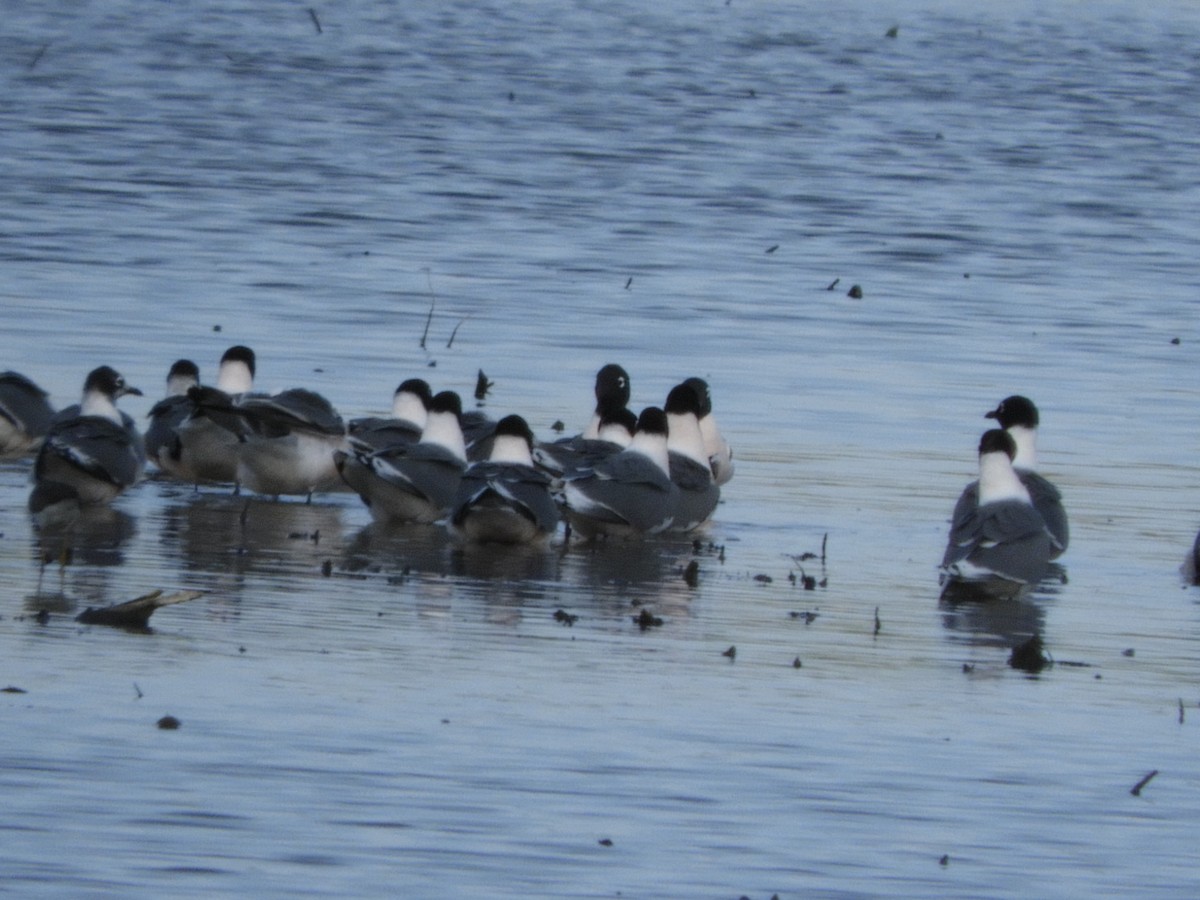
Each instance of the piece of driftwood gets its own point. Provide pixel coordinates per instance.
(134, 613)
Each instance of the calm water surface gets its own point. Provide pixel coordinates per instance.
(674, 188)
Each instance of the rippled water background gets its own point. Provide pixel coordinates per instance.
(673, 188)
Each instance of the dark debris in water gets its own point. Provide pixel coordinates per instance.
(731, 652)
(134, 614)
(565, 618)
(807, 615)
(13, 689)
(764, 579)
(1136, 790)
(169, 723)
(646, 620)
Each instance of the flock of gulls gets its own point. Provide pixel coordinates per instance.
(624, 476)
(428, 462)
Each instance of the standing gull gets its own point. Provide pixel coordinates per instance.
(998, 546)
(416, 482)
(205, 449)
(689, 464)
(94, 453)
(170, 412)
(1019, 417)
(504, 499)
(629, 494)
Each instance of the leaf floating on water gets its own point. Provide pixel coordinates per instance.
(764, 579)
(12, 689)
(169, 723)
(855, 292)
(731, 652)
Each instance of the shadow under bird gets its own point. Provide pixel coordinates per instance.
(1000, 546)
(416, 482)
(96, 453)
(505, 499)
(629, 494)
(25, 414)
(1019, 417)
(688, 463)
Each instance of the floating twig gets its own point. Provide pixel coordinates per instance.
(316, 22)
(450, 342)
(878, 624)
(37, 57)
(432, 304)
(1136, 790)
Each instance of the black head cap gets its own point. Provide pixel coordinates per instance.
(515, 426)
(446, 401)
(241, 354)
(652, 421)
(612, 385)
(700, 386)
(184, 368)
(1015, 410)
(108, 381)
(997, 440)
(417, 386)
(682, 400)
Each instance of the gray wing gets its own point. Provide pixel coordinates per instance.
(370, 434)
(968, 501)
(1008, 537)
(698, 492)
(295, 408)
(522, 488)
(1048, 501)
(428, 470)
(96, 446)
(165, 417)
(628, 489)
(573, 456)
(24, 404)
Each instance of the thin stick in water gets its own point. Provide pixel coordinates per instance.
(1136, 790)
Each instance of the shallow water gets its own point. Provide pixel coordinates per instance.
(672, 189)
